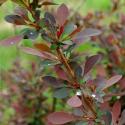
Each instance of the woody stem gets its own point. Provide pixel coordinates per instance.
(74, 79)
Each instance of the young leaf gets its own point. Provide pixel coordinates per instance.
(74, 101)
(59, 33)
(11, 41)
(62, 14)
(35, 52)
(42, 47)
(91, 61)
(112, 81)
(116, 111)
(59, 118)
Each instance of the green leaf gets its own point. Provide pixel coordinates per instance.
(53, 47)
(61, 93)
(68, 29)
(30, 33)
(48, 63)
(20, 2)
(43, 22)
(81, 123)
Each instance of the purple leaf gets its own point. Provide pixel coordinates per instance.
(60, 118)
(21, 12)
(62, 14)
(77, 68)
(116, 111)
(90, 32)
(48, 123)
(74, 101)
(50, 80)
(78, 112)
(36, 52)
(122, 119)
(85, 34)
(108, 118)
(50, 17)
(60, 72)
(11, 41)
(122, 83)
(15, 19)
(112, 81)
(91, 61)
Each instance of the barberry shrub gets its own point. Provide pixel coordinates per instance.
(72, 80)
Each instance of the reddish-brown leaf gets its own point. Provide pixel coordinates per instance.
(42, 47)
(116, 111)
(62, 14)
(60, 72)
(74, 101)
(59, 33)
(75, 31)
(11, 41)
(48, 123)
(91, 61)
(36, 52)
(122, 83)
(58, 118)
(53, 81)
(15, 19)
(112, 81)
(122, 119)
(48, 3)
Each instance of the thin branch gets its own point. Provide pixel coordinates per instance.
(115, 94)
